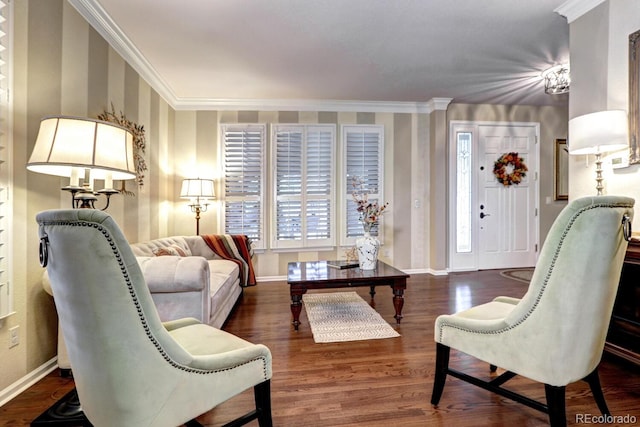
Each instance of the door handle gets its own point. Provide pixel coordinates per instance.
(482, 215)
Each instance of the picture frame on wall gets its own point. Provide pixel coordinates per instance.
(634, 98)
(561, 175)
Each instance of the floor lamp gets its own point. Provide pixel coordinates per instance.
(597, 133)
(199, 191)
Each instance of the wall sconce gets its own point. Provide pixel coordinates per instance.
(198, 190)
(87, 149)
(596, 133)
(556, 80)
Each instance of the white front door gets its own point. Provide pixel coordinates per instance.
(506, 213)
(492, 225)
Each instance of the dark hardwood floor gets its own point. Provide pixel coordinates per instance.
(377, 382)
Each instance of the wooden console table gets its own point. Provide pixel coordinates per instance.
(623, 339)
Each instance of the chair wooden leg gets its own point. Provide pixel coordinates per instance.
(596, 389)
(442, 366)
(262, 394)
(556, 405)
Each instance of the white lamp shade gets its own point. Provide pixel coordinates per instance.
(65, 143)
(599, 132)
(197, 189)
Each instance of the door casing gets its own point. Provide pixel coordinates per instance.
(470, 261)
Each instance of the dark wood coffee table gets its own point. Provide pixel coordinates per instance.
(302, 276)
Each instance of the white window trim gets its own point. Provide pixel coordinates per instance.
(344, 182)
(257, 244)
(304, 242)
(6, 170)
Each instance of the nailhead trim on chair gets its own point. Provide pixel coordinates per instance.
(134, 297)
(547, 277)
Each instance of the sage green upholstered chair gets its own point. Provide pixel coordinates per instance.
(130, 369)
(556, 333)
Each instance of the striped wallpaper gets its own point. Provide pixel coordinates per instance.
(63, 66)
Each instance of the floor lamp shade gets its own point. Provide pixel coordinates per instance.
(67, 143)
(598, 132)
(197, 189)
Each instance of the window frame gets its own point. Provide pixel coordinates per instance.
(6, 156)
(304, 243)
(345, 183)
(258, 243)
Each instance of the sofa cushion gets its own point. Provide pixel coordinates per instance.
(225, 289)
(199, 247)
(223, 274)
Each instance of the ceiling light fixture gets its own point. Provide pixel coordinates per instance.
(556, 79)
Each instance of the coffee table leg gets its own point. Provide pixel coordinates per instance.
(296, 308)
(372, 292)
(398, 302)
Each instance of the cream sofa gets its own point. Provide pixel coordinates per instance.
(195, 282)
(186, 279)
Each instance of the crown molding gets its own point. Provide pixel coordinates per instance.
(99, 19)
(574, 9)
(312, 105)
(438, 104)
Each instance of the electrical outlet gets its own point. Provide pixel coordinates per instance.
(14, 336)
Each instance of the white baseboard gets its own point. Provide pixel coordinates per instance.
(27, 381)
(426, 271)
(271, 278)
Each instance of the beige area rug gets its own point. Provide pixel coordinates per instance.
(344, 316)
(520, 274)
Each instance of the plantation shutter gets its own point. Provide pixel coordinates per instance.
(244, 181)
(320, 179)
(288, 185)
(6, 294)
(303, 176)
(364, 150)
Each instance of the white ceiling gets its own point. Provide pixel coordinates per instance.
(216, 52)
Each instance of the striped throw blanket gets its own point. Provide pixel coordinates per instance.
(236, 248)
